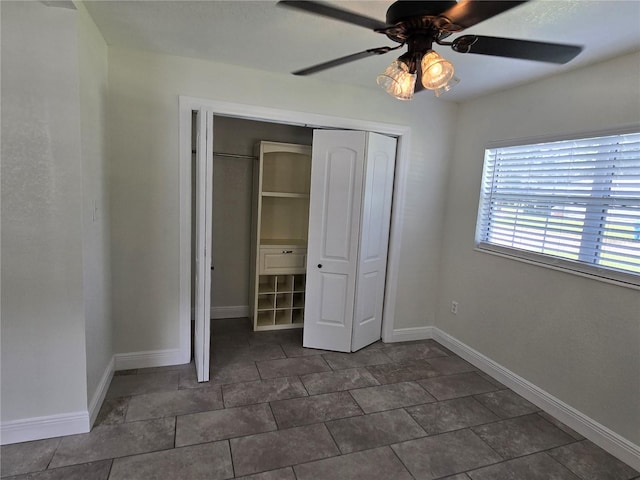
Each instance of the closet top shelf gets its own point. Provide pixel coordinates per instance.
(278, 147)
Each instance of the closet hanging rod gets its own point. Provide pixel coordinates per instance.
(233, 155)
(230, 155)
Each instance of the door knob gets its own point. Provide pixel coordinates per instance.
(319, 265)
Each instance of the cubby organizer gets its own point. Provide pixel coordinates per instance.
(280, 301)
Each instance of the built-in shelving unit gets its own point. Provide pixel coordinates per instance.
(281, 222)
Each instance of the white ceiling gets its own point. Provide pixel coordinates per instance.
(261, 35)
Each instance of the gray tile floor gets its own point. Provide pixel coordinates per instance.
(274, 410)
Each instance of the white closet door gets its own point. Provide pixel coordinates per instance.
(374, 239)
(203, 218)
(334, 221)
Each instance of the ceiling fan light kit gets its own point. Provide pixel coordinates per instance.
(447, 86)
(436, 71)
(397, 81)
(420, 24)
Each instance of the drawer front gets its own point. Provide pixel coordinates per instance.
(282, 260)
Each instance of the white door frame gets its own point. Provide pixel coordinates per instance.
(289, 117)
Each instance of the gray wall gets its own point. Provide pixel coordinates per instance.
(232, 194)
(57, 331)
(43, 331)
(575, 337)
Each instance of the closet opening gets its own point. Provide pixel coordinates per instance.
(235, 162)
(234, 149)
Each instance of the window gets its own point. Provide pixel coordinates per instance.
(572, 204)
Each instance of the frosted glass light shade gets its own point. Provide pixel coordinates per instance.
(397, 81)
(448, 86)
(436, 71)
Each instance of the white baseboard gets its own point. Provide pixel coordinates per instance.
(151, 358)
(605, 438)
(230, 312)
(101, 391)
(409, 334)
(37, 428)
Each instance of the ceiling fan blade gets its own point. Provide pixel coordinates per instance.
(512, 48)
(342, 60)
(469, 12)
(326, 10)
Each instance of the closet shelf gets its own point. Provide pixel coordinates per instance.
(285, 194)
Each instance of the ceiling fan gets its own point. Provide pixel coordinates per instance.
(420, 24)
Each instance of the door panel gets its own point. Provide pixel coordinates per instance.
(334, 209)
(338, 199)
(374, 240)
(375, 211)
(350, 210)
(333, 303)
(203, 220)
(368, 290)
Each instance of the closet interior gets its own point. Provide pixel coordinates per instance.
(261, 177)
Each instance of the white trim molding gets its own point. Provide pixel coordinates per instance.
(288, 117)
(602, 436)
(151, 358)
(101, 391)
(38, 428)
(408, 334)
(236, 311)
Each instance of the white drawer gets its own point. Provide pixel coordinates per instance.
(275, 260)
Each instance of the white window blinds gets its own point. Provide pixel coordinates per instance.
(573, 204)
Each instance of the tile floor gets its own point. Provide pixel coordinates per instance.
(274, 410)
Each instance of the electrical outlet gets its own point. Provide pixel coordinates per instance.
(454, 307)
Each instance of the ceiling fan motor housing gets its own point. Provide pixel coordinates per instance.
(407, 9)
(407, 19)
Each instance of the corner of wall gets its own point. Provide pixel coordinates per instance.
(599, 434)
(93, 83)
(98, 396)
